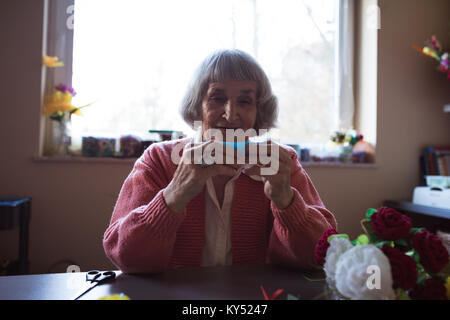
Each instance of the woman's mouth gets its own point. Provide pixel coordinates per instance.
(228, 127)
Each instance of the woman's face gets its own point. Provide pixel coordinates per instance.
(229, 105)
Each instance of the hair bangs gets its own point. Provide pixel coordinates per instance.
(231, 66)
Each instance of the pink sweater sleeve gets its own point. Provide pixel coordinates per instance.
(297, 228)
(142, 230)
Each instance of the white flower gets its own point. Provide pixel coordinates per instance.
(364, 273)
(337, 247)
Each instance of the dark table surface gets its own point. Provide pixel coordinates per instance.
(417, 208)
(241, 282)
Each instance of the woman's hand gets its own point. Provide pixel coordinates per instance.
(277, 184)
(189, 178)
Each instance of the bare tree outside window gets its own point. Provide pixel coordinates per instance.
(135, 59)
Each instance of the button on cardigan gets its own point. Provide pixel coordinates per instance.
(145, 236)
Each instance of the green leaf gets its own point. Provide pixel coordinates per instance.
(57, 116)
(441, 277)
(317, 267)
(370, 212)
(314, 280)
(416, 256)
(339, 235)
(415, 230)
(401, 294)
(373, 238)
(421, 278)
(380, 244)
(446, 271)
(362, 239)
(401, 242)
(413, 254)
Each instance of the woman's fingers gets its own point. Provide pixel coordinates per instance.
(253, 171)
(266, 154)
(193, 152)
(220, 170)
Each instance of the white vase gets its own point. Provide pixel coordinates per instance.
(61, 137)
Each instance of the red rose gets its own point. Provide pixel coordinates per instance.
(433, 255)
(432, 289)
(389, 224)
(322, 246)
(403, 268)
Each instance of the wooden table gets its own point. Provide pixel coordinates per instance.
(241, 282)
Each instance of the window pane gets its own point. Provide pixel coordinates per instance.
(135, 58)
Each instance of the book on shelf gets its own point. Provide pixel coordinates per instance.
(436, 161)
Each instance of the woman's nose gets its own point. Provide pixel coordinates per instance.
(230, 111)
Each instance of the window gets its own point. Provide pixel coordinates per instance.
(134, 59)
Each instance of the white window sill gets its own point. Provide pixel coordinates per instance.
(128, 161)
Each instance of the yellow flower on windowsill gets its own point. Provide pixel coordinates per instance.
(57, 103)
(52, 62)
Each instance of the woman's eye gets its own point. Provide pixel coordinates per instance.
(217, 99)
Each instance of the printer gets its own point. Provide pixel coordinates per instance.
(433, 196)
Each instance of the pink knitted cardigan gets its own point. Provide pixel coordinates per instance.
(145, 236)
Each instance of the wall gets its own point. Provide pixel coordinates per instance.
(72, 202)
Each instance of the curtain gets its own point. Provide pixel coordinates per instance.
(344, 96)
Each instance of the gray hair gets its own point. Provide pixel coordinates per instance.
(230, 65)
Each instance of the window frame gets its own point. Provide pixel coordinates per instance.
(58, 41)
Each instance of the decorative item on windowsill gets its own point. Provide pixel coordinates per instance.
(341, 145)
(130, 146)
(434, 50)
(391, 260)
(58, 107)
(363, 152)
(98, 146)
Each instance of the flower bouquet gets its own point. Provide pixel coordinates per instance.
(434, 50)
(391, 260)
(59, 108)
(58, 104)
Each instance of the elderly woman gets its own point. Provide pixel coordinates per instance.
(171, 215)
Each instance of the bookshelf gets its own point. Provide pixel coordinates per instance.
(435, 161)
